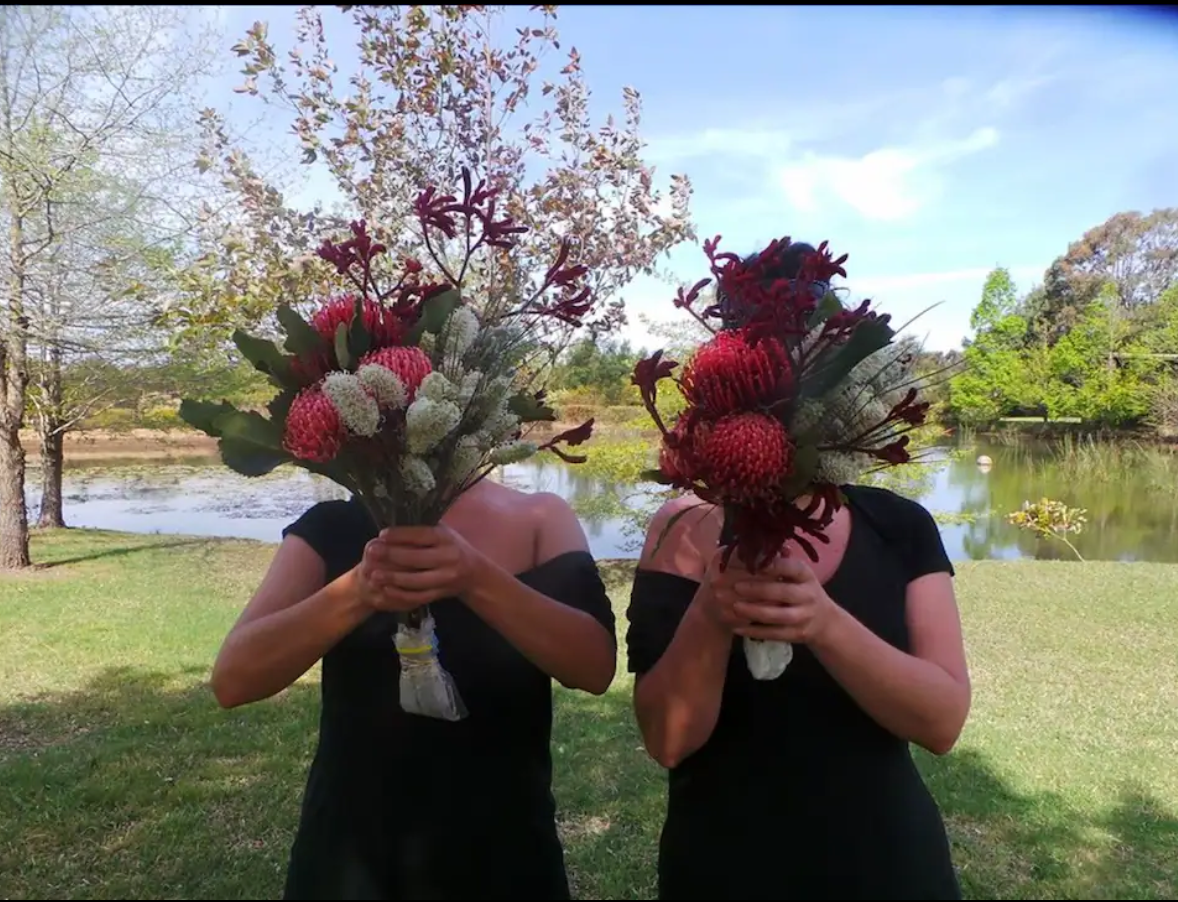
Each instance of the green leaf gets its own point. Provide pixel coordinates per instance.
(827, 307)
(279, 405)
(252, 428)
(530, 409)
(265, 355)
(434, 313)
(805, 467)
(204, 415)
(250, 443)
(301, 337)
(343, 358)
(832, 367)
(248, 460)
(359, 341)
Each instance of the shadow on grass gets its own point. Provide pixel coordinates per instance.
(139, 787)
(1007, 844)
(1013, 845)
(611, 797)
(121, 551)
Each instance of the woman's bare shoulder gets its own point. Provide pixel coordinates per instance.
(682, 537)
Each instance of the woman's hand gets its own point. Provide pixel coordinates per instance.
(783, 603)
(406, 567)
(720, 598)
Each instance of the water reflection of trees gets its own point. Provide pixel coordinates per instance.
(196, 484)
(1130, 515)
(1132, 507)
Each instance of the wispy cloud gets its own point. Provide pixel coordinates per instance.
(885, 185)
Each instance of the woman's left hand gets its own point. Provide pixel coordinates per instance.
(786, 603)
(427, 563)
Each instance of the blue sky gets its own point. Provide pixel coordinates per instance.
(931, 144)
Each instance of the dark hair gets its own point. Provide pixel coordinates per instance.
(786, 263)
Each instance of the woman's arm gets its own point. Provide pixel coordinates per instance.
(290, 623)
(565, 642)
(677, 700)
(922, 696)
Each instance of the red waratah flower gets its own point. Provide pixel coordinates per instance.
(409, 364)
(728, 375)
(313, 428)
(747, 456)
(676, 455)
(385, 328)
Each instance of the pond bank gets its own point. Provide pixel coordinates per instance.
(160, 444)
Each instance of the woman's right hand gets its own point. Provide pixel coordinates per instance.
(718, 594)
(373, 574)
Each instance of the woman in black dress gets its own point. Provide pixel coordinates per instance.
(400, 806)
(801, 787)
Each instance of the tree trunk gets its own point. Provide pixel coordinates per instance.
(14, 516)
(51, 422)
(14, 381)
(51, 515)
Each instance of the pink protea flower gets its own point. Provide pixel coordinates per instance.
(313, 431)
(409, 364)
(747, 455)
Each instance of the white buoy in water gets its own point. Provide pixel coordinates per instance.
(984, 462)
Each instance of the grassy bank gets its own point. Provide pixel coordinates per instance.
(123, 780)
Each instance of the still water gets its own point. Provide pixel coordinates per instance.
(1132, 501)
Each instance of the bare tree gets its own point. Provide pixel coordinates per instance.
(87, 95)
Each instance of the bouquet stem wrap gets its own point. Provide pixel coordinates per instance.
(427, 688)
(766, 659)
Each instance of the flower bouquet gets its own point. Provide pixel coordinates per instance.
(404, 393)
(791, 398)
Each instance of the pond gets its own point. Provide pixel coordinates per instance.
(1130, 494)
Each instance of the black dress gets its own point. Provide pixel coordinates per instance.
(399, 806)
(799, 794)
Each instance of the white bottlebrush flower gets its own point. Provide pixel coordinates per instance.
(428, 343)
(427, 422)
(467, 387)
(437, 387)
(383, 384)
(467, 456)
(888, 372)
(512, 453)
(416, 476)
(501, 424)
(461, 330)
(810, 417)
(841, 468)
(357, 409)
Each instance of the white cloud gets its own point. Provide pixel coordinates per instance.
(765, 143)
(885, 185)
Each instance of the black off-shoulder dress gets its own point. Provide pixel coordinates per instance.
(399, 806)
(799, 794)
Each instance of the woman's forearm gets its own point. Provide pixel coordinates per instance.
(677, 702)
(914, 699)
(262, 657)
(567, 644)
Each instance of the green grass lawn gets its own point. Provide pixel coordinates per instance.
(121, 779)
